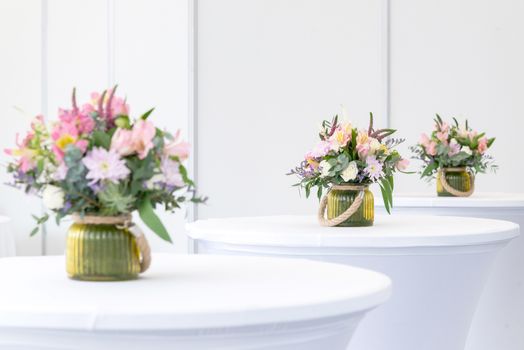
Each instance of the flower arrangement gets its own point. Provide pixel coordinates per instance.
(346, 155)
(453, 145)
(96, 160)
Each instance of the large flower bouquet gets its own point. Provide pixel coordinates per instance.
(346, 155)
(453, 145)
(96, 160)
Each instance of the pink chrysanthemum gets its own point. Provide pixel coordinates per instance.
(105, 165)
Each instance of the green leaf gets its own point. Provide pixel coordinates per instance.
(389, 191)
(319, 192)
(490, 141)
(185, 177)
(34, 231)
(148, 216)
(101, 139)
(146, 114)
(40, 166)
(460, 157)
(384, 198)
(429, 169)
(354, 143)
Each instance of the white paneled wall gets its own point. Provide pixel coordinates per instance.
(20, 100)
(141, 45)
(462, 58)
(268, 72)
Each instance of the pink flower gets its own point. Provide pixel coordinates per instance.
(454, 148)
(105, 165)
(443, 136)
(38, 123)
(363, 144)
(82, 122)
(177, 149)
(431, 148)
(118, 104)
(363, 150)
(483, 145)
(65, 134)
(321, 149)
(340, 137)
(444, 127)
(429, 145)
(142, 135)
(122, 142)
(402, 164)
(26, 156)
(171, 171)
(424, 140)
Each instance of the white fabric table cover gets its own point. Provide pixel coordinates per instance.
(7, 241)
(438, 266)
(499, 319)
(186, 302)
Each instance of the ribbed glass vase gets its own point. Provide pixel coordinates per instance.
(457, 178)
(340, 200)
(101, 253)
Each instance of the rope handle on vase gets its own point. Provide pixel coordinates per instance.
(453, 191)
(123, 222)
(346, 214)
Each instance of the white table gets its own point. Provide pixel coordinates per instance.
(438, 266)
(499, 319)
(187, 303)
(7, 241)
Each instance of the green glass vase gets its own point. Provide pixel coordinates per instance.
(458, 178)
(339, 200)
(101, 252)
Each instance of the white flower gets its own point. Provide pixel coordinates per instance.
(467, 150)
(155, 182)
(374, 146)
(53, 197)
(350, 173)
(324, 168)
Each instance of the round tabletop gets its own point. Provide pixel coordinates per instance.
(477, 200)
(185, 292)
(387, 231)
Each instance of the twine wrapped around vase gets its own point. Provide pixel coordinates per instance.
(348, 212)
(123, 222)
(453, 191)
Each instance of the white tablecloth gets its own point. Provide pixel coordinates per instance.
(7, 241)
(499, 319)
(187, 302)
(438, 265)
